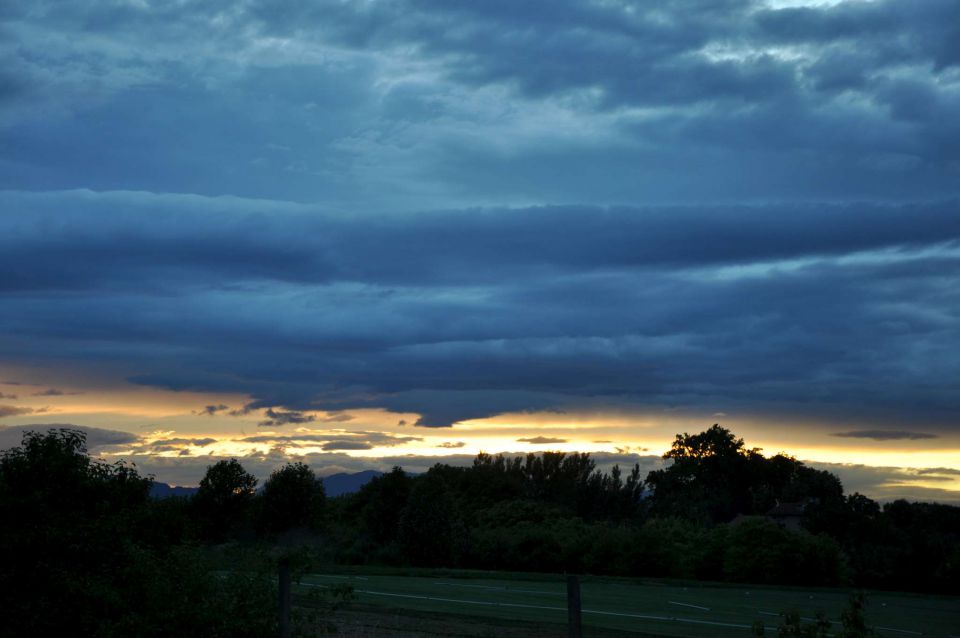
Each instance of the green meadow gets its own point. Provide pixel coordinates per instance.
(661, 608)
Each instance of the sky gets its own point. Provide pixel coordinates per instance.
(382, 232)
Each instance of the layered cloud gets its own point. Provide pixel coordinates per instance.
(424, 104)
(541, 440)
(464, 209)
(12, 410)
(886, 435)
(836, 313)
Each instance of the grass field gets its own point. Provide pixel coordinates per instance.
(642, 606)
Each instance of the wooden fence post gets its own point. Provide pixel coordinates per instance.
(573, 606)
(284, 606)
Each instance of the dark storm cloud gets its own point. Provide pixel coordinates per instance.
(410, 103)
(886, 435)
(635, 53)
(841, 311)
(818, 282)
(306, 245)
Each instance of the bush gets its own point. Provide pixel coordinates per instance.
(760, 551)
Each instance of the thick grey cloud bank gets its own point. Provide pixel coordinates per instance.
(425, 104)
(466, 208)
(843, 312)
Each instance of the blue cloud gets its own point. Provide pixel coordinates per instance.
(460, 209)
(834, 310)
(414, 105)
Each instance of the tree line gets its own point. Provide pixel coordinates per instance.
(84, 537)
(702, 516)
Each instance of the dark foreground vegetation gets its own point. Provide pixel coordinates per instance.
(703, 517)
(85, 551)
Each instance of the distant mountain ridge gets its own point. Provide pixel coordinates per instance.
(343, 483)
(164, 490)
(335, 485)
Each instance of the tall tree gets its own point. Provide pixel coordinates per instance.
(709, 478)
(293, 497)
(224, 498)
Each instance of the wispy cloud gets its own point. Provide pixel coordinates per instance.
(346, 445)
(199, 442)
(212, 410)
(336, 437)
(942, 471)
(886, 435)
(13, 410)
(285, 417)
(336, 417)
(54, 392)
(541, 440)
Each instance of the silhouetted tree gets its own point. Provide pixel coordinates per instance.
(713, 477)
(709, 478)
(293, 497)
(224, 498)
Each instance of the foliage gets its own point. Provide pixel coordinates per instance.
(84, 551)
(293, 497)
(713, 477)
(852, 622)
(429, 525)
(760, 551)
(223, 502)
(381, 502)
(556, 512)
(83, 537)
(793, 626)
(64, 519)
